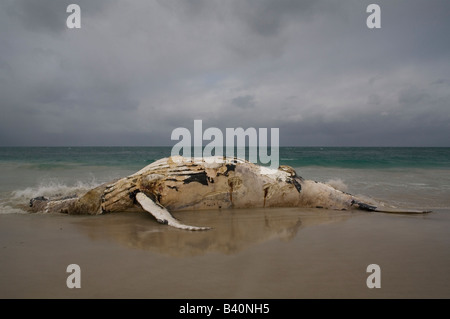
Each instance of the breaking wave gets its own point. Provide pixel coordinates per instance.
(17, 200)
(338, 184)
(7, 209)
(54, 189)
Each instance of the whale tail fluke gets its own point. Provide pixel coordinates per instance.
(393, 210)
(161, 214)
(384, 209)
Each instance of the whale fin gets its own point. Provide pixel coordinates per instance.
(161, 214)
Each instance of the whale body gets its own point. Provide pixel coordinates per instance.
(177, 183)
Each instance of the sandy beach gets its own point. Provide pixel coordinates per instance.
(266, 253)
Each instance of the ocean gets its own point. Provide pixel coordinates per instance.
(249, 253)
(418, 177)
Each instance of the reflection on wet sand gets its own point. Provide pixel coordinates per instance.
(233, 230)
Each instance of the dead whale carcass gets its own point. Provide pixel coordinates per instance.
(178, 183)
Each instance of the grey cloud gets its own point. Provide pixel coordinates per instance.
(50, 15)
(137, 70)
(374, 99)
(267, 18)
(413, 96)
(244, 101)
(441, 82)
(40, 16)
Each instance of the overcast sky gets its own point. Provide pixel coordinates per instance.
(136, 70)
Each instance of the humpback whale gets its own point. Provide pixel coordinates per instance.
(178, 183)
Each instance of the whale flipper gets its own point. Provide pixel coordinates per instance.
(161, 214)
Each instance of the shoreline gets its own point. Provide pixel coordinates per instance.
(276, 253)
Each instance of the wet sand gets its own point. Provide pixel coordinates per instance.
(267, 253)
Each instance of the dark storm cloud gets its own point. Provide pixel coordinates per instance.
(267, 17)
(137, 70)
(48, 15)
(244, 102)
(38, 16)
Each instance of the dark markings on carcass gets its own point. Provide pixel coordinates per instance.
(297, 185)
(230, 168)
(132, 195)
(364, 206)
(266, 190)
(295, 182)
(40, 198)
(200, 177)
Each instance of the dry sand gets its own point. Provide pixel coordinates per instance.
(266, 253)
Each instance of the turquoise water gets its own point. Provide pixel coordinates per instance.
(136, 157)
(413, 177)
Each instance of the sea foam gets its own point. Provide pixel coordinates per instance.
(53, 189)
(15, 202)
(337, 184)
